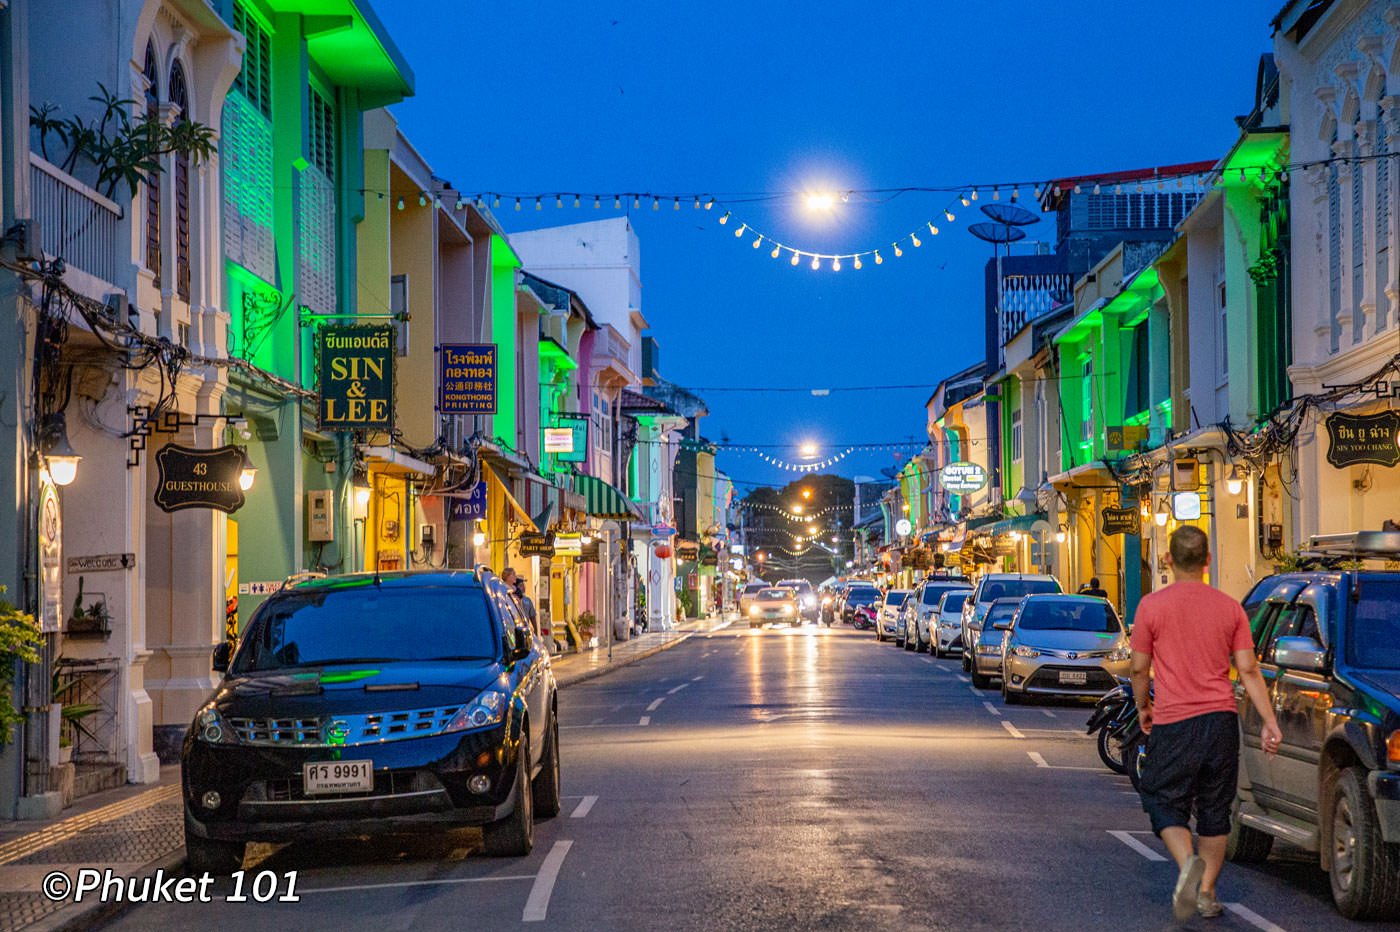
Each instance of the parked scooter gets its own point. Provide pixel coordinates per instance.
(1121, 742)
(863, 617)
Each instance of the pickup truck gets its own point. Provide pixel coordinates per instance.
(1328, 643)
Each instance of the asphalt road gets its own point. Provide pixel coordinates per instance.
(789, 779)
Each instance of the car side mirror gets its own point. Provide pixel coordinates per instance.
(1300, 654)
(524, 643)
(222, 652)
(1002, 626)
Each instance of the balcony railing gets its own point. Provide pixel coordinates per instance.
(75, 222)
(611, 349)
(1026, 297)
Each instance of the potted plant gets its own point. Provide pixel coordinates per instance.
(19, 642)
(92, 620)
(71, 715)
(587, 625)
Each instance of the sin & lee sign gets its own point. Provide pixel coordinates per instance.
(356, 366)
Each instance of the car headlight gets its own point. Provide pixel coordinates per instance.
(753, 609)
(487, 709)
(785, 609)
(1021, 650)
(1120, 653)
(989, 649)
(210, 727)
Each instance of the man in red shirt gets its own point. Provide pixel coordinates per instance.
(1184, 639)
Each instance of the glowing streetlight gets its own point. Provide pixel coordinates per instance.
(807, 493)
(819, 201)
(808, 450)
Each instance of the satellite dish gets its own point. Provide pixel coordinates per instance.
(996, 232)
(1010, 214)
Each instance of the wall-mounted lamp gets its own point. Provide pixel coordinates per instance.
(585, 539)
(1234, 482)
(479, 535)
(1162, 514)
(59, 456)
(247, 475)
(1060, 534)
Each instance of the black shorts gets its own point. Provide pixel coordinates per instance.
(1192, 764)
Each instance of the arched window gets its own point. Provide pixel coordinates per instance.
(179, 97)
(152, 74)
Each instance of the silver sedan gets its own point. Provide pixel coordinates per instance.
(1063, 645)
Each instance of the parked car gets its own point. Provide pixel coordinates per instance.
(807, 605)
(1329, 649)
(887, 616)
(986, 655)
(950, 606)
(858, 594)
(1063, 645)
(370, 704)
(775, 603)
(990, 587)
(924, 605)
(747, 594)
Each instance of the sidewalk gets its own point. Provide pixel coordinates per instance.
(136, 830)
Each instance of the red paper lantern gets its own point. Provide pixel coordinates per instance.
(662, 550)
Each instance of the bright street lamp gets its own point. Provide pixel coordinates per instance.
(819, 201)
(808, 450)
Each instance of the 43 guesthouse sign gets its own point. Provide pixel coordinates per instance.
(356, 369)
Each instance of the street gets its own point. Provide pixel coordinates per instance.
(790, 778)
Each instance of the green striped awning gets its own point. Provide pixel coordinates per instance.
(603, 501)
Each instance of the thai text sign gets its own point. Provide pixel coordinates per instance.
(1363, 438)
(469, 506)
(356, 368)
(962, 478)
(467, 378)
(190, 478)
(1121, 521)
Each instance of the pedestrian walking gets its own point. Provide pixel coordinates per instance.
(1184, 639)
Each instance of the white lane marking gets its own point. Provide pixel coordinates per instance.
(1128, 839)
(992, 709)
(696, 679)
(1048, 713)
(598, 720)
(646, 720)
(1012, 729)
(584, 807)
(926, 659)
(1038, 758)
(655, 703)
(675, 689)
(417, 883)
(1251, 917)
(963, 678)
(537, 906)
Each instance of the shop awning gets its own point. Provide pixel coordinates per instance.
(1007, 525)
(520, 514)
(602, 500)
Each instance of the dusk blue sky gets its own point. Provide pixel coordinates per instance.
(728, 96)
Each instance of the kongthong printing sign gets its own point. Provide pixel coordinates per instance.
(356, 367)
(467, 378)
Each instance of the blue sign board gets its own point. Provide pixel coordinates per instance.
(471, 506)
(467, 378)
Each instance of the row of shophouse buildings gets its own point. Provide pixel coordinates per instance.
(1214, 343)
(175, 357)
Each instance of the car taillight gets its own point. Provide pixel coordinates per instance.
(1392, 749)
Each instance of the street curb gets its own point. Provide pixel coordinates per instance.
(78, 916)
(635, 658)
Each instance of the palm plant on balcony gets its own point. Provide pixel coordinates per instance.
(115, 148)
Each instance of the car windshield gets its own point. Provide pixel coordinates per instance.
(779, 595)
(1374, 641)
(368, 625)
(1064, 615)
(751, 588)
(933, 595)
(896, 596)
(1015, 588)
(953, 601)
(862, 596)
(999, 613)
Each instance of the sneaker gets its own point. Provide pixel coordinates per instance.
(1188, 888)
(1208, 906)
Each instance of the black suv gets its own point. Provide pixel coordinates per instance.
(375, 703)
(1328, 643)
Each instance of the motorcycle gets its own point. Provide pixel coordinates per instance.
(863, 617)
(1121, 741)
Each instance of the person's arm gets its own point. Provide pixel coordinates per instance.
(1258, 691)
(1142, 688)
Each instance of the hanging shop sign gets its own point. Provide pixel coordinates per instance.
(903, 528)
(1121, 521)
(962, 478)
(577, 425)
(189, 478)
(356, 369)
(470, 506)
(536, 545)
(687, 550)
(1186, 506)
(1353, 439)
(568, 545)
(558, 440)
(50, 559)
(101, 562)
(1121, 438)
(588, 553)
(467, 378)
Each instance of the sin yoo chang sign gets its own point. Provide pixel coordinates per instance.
(1353, 439)
(356, 366)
